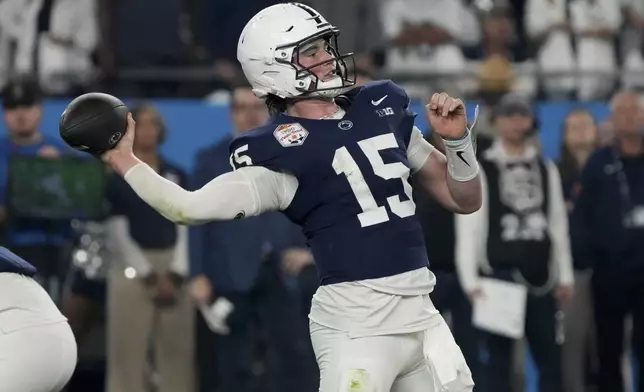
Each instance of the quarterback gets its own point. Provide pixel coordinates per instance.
(336, 159)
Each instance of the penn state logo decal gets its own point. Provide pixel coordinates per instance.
(290, 135)
(115, 138)
(345, 125)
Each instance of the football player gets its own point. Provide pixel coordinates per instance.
(37, 346)
(336, 160)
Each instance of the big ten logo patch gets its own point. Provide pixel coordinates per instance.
(385, 112)
(290, 135)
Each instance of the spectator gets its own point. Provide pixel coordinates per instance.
(6, 63)
(606, 133)
(360, 24)
(549, 28)
(84, 306)
(220, 24)
(498, 55)
(147, 306)
(609, 224)
(42, 241)
(126, 45)
(52, 39)
(237, 277)
(595, 24)
(520, 234)
(426, 35)
(578, 140)
(631, 42)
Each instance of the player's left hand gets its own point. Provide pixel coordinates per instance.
(447, 116)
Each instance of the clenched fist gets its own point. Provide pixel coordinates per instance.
(447, 116)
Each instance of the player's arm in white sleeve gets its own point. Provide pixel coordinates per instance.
(454, 182)
(248, 191)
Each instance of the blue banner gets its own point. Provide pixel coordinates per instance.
(195, 124)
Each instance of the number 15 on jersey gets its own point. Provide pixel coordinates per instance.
(372, 213)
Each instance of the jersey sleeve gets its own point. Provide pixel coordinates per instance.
(402, 104)
(418, 150)
(256, 148)
(248, 191)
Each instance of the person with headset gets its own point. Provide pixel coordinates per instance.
(520, 235)
(147, 303)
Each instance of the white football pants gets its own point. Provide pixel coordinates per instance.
(37, 346)
(425, 361)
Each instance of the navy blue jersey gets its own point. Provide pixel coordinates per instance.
(10, 262)
(354, 199)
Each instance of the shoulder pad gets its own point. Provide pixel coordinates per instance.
(351, 94)
(387, 87)
(379, 88)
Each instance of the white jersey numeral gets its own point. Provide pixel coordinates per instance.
(239, 158)
(372, 214)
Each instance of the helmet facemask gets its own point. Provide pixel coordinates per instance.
(307, 81)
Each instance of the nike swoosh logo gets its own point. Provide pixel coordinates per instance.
(378, 102)
(460, 155)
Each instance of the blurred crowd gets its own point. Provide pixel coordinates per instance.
(223, 307)
(551, 48)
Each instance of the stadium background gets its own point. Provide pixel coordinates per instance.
(185, 85)
(193, 124)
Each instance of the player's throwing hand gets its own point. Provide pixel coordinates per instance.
(447, 116)
(125, 145)
(121, 158)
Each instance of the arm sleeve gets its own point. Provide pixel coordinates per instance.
(418, 150)
(559, 233)
(248, 191)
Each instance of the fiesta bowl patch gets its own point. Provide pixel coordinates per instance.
(290, 135)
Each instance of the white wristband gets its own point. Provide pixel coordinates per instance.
(461, 160)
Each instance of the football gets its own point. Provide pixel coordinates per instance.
(94, 123)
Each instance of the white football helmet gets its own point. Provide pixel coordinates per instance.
(269, 47)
